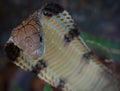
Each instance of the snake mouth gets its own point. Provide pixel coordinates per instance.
(12, 51)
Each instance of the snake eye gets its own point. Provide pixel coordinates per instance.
(27, 37)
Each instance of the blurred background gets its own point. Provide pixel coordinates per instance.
(96, 17)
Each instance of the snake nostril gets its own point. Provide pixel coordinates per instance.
(12, 51)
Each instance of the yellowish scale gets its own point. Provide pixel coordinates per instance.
(65, 61)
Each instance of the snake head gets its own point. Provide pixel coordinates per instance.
(28, 37)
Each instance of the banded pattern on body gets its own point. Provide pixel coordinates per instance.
(67, 62)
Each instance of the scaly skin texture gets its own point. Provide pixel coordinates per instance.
(63, 59)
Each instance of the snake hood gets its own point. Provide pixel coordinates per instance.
(49, 44)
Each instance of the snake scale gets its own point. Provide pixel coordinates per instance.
(49, 44)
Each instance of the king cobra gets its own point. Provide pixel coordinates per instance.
(49, 44)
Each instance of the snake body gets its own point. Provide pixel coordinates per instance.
(49, 44)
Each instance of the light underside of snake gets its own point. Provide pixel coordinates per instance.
(59, 61)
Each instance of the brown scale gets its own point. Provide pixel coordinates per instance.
(61, 19)
(21, 64)
(64, 14)
(57, 16)
(27, 36)
(70, 20)
(68, 17)
(25, 61)
(68, 26)
(65, 22)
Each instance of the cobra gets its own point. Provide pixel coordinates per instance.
(49, 44)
